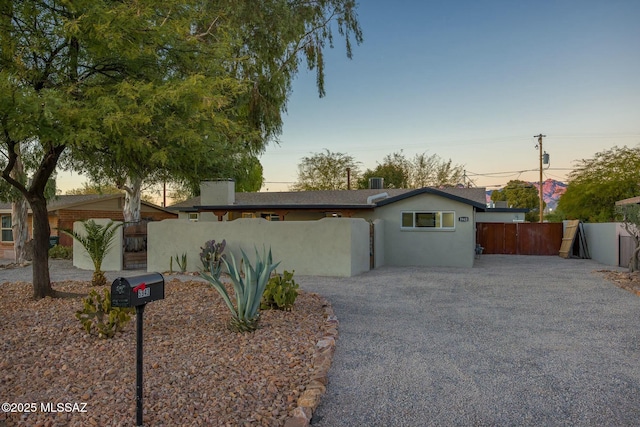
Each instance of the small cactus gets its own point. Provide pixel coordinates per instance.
(99, 318)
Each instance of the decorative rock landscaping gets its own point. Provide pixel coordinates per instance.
(196, 371)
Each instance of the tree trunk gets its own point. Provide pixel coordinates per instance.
(20, 229)
(133, 189)
(633, 262)
(41, 231)
(19, 212)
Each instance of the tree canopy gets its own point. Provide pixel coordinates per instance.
(420, 171)
(132, 91)
(326, 171)
(211, 106)
(394, 169)
(520, 194)
(596, 184)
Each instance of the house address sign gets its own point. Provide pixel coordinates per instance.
(463, 219)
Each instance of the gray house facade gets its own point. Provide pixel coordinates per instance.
(407, 227)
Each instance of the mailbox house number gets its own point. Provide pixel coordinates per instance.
(142, 293)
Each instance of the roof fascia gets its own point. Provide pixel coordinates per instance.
(428, 190)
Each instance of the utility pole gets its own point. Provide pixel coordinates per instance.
(540, 146)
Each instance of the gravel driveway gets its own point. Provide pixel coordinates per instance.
(514, 341)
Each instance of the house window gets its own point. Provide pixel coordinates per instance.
(248, 215)
(270, 216)
(441, 220)
(193, 216)
(7, 233)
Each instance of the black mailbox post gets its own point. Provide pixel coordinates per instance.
(137, 292)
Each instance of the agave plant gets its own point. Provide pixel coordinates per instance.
(248, 284)
(97, 242)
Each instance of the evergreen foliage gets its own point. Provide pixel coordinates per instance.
(596, 184)
(520, 194)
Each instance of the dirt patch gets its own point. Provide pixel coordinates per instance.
(623, 279)
(196, 371)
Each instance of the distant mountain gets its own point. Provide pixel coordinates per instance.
(551, 192)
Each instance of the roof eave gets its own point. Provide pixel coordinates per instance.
(328, 207)
(429, 190)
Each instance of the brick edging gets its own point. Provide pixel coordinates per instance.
(322, 358)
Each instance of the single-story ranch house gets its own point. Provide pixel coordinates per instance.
(66, 209)
(398, 227)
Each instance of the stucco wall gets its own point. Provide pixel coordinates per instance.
(113, 259)
(602, 241)
(428, 247)
(499, 216)
(328, 247)
(378, 225)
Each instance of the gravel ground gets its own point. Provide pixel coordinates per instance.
(196, 371)
(516, 340)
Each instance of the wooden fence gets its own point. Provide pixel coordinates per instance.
(526, 238)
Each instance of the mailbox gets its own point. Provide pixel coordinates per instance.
(137, 291)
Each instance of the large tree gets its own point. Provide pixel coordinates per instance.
(265, 43)
(326, 171)
(148, 88)
(597, 183)
(520, 194)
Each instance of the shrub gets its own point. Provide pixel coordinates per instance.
(99, 318)
(281, 292)
(61, 252)
(248, 285)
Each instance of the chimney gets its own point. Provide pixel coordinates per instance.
(220, 192)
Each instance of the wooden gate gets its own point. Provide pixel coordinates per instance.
(528, 238)
(135, 245)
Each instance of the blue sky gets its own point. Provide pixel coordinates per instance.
(472, 81)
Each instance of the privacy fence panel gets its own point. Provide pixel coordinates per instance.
(519, 238)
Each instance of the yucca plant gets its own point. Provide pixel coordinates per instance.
(97, 242)
(248, 284)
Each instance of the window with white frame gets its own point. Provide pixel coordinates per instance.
(194, 216)
(435, 220)
(7, 233)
